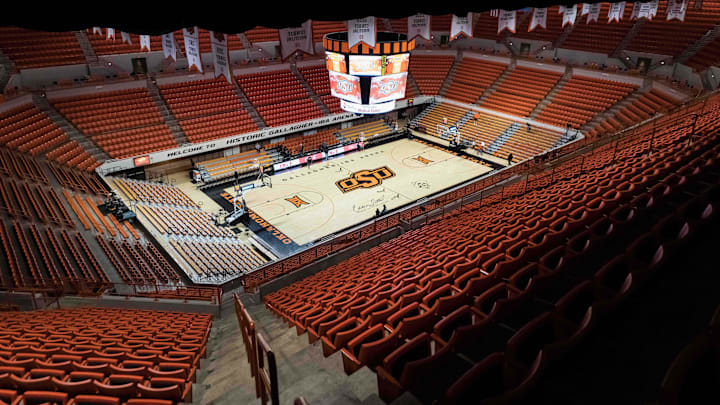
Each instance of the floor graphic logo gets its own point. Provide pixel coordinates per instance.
(364, 179)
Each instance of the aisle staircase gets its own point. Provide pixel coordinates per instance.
(166, 113)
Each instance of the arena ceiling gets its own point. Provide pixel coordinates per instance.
(228, 17)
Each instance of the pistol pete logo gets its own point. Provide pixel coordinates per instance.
(364, 179)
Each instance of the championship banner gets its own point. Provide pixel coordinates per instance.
(507, 21)
(110, 34)
(218, 44)
(168, 44)
(616, 12)
(296, 39)
(495, 12)
(561, 9)
(570, 15)
(418, 26)
(539, 18)
(125, 37)
(461, 25)
(192, 48)
(361, 30)
(634, 13)
(346, 87)
(386, 88)
(593, 13)
(676, 9)
(145, 43)
(654, 8)
(585, 9)
(97, 30)
(647, 10)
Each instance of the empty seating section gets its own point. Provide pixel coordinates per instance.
(399, 25)
(317, 78)
(429, 72)
(582, 98)
(207, 109)
(278, 97)
(521, 90)
(599, 36)
(151, 192)
(183, 221)
(642, 108)
(124, 123)
(34, 49)
(368, 130)
(21, 166)
(485, 26)
(707, 56)
(227, 166)
(101, 356)
(223, 258)
(28, 129)
(499, 291)
(672, 37)
(472, 78)
(487, 128)
(320, 28)
(78, 180)
(74, 155)
(307, 143)
(262, 34)
(549, 34)
(440, 22)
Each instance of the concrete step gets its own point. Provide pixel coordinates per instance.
(247, 105)
(166, 113)
(451, 73)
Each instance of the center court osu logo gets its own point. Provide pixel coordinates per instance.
(364, 179)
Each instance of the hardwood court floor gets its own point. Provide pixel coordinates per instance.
(306, 204)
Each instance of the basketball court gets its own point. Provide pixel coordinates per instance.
(306, 204)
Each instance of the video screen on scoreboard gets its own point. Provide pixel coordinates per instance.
(388, 87)
(335, 62)
(366, 65)
(345, 86)
(396, 63)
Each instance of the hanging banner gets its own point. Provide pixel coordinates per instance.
(561, 9)
(647, 10)
(654, 5)
(585, 9)
(296, 39)
(110, 34)
(218, 44)
(125, 37)
(97, 30)
(419, 26)
(145, 43)
(495, 12)
(539, 18)
(616, 12)
(570, 15)
(461, 25)
(593, 13)
(192, 48)
(168, 44)
(634, 13)
(361, 30)
(676, 9)
(507, 21)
